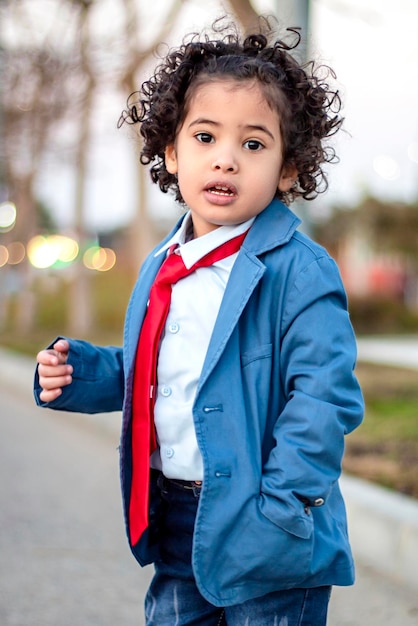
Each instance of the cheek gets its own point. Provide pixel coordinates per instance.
(274, 176)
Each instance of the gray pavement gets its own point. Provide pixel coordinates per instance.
(64, 557)
(400, 351)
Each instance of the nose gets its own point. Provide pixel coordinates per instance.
(225, 162)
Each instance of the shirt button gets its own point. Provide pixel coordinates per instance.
(174, 328)
(169, 453)
(166, 391)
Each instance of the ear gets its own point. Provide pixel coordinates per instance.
(288, 175)
(170, 158)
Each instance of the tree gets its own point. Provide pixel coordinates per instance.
(245, 13)
(37, 92)
(142, 234)
(388, 230)
(34, 98)
(53, 69)
(387, 226)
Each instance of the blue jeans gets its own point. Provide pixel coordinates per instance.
(173, 598)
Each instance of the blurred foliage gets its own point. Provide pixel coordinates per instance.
(379, 315)
(387, 226)
(384, 449)
(386, 230)
(110, 295)
(46, 221)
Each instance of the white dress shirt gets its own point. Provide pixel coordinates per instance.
(195, 303)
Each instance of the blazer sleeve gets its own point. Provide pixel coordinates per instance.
(323, 398)
(98, 380)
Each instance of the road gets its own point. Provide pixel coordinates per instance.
(64, 557)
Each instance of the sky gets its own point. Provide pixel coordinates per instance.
(372, 45)
(373, 48)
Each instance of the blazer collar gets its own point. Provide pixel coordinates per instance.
(272, 228)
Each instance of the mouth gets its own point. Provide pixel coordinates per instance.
(222, 189)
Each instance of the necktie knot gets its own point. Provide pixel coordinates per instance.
(172, 269)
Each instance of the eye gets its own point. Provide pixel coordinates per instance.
(253, 145)
(204, 137)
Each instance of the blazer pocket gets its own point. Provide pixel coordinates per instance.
(260, 549)
(261, 352)
(286, 518)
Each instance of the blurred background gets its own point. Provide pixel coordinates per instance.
(78, 214)
(77, 211)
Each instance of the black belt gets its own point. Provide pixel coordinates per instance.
(183, 484)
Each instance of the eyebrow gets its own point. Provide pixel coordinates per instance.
(255, 127)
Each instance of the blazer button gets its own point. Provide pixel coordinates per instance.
(318, 502)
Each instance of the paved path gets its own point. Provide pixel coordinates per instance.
(64, 558)
(400, 351)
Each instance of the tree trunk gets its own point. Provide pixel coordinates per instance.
(245, 13)
(80, 296)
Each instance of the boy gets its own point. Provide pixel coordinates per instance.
(236, 376)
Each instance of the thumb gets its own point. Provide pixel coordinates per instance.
(62, 346)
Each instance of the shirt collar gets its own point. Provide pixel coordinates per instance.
(193, 250)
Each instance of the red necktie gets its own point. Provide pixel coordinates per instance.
(144, 389)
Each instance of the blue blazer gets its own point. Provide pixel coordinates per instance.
(275, 398)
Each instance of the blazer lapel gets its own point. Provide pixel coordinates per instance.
(236, 296)
(139, 300)
(272, 228)
(137, 308)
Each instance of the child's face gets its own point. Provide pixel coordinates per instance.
(228, 155)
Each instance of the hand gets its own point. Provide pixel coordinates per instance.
(54, 373)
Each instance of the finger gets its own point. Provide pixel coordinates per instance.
(51, 357)
(47, 370)
(62, 346)
(48, 357)
(48, 383)
(49, 396)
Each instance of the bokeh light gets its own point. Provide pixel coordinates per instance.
(54, 250)
(67, 249)
(58, 251)
(386, 167)
(7, 216)
(40, 253)
(4, 255)
(99, 259)
(17, 253)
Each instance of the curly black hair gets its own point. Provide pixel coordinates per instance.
(308, 108)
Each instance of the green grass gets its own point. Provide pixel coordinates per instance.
(395, 418)
(384, 448)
